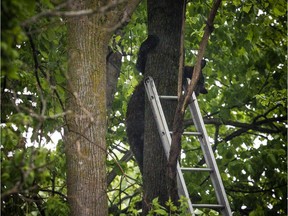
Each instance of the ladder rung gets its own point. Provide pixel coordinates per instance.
(168, 97)
(192, 133)
(222, 202)
(196, 169)
(208, 206)
(189, 133)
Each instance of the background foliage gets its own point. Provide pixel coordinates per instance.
(245, 109)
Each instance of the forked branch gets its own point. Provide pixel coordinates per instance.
(182, 105)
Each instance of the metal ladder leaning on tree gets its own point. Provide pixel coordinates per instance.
(201, 133)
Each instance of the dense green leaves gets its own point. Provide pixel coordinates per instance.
(247, 84)
(32, 77)
(245, 109)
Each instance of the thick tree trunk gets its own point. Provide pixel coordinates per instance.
(88, 38)
(165, 21)
(85, 138)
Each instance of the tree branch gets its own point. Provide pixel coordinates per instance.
(256, 126)
(182, 104)
(181, 58)
(113, 173)
(196, 73)
(54, 192)
(254, 190)
(56, 11)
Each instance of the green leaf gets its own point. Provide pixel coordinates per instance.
(279, 11)
(160, 212)
(117, 38)
(257, 212)
(230, 153)
(272, 159)
(247, 7)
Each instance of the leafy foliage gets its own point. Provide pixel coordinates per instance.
(32, 81)
(245, 109)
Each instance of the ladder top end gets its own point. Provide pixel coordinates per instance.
(148, 79)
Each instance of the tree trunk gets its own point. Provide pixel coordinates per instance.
(85, 139)
(165, 21)
(88, 38)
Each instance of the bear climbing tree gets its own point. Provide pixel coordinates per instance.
(136, 105)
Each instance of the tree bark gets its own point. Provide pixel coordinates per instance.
(88, 38)
(165, 21)
(113, 68)
(85, 138)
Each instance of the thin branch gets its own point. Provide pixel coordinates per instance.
(181, 106)
(267, 112)
(55, 192)
(56, 12)
(43, 103)
(13, 190)
(256, 126)
(252, 190)
(36, 65)
(196, 73)
(216, 140)
(111, 175)
(182, 57)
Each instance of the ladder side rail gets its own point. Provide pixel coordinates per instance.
(165, 135)
(158, 114)
(209, 155)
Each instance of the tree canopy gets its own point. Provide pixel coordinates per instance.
(245, 110)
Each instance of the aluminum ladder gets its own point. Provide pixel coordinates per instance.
(154, 99)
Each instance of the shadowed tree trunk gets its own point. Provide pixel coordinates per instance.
(165, 21)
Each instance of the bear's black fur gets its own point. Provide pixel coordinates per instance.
(136, 105)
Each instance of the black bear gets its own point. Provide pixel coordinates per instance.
(188, 72)
(136, 105)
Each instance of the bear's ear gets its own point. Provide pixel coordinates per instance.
(203, 63)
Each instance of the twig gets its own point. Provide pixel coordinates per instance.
(43, 103)
(56, 12)
(181, 58)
